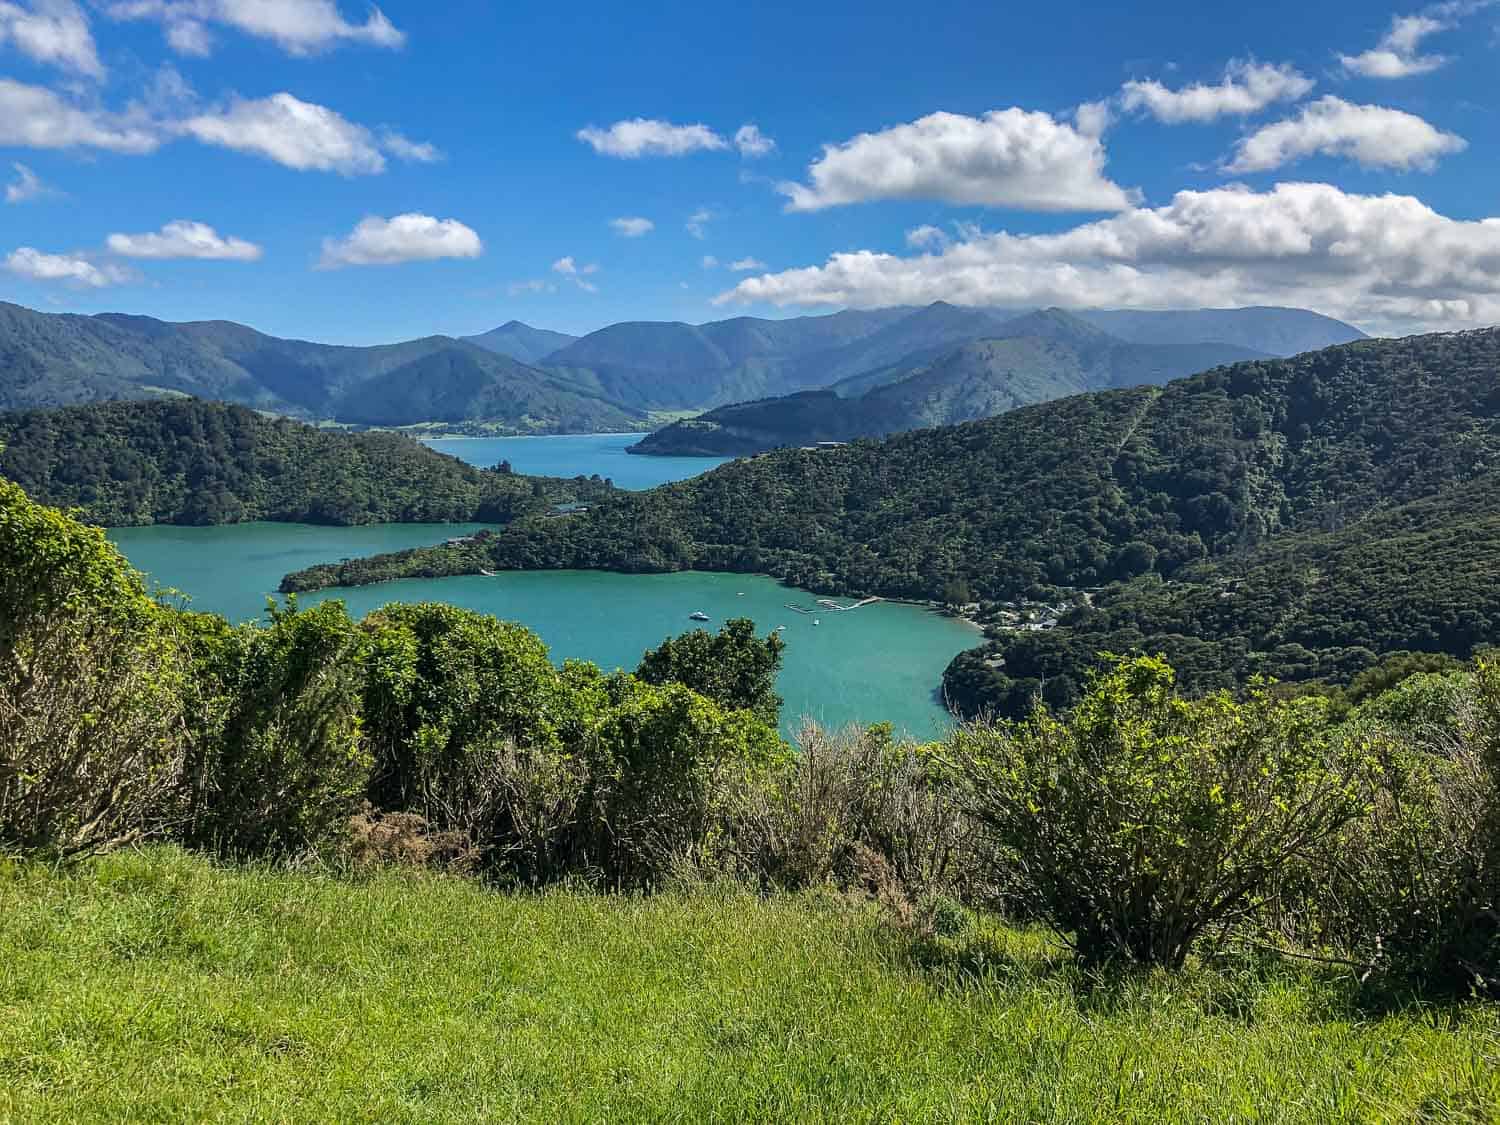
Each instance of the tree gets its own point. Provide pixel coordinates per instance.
(734, 669)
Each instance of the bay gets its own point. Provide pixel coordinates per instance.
(569, 455)
(880, 663)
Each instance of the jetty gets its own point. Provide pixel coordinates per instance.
(828, 603)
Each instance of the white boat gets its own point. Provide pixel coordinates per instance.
(699, 616)
(488, 573)
(816, 621)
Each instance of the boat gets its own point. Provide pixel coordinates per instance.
(699, 616)
(816, 621)
(488, 573)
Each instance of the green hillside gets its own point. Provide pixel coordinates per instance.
(51, 360)
(1036, 358)
(1245, 466)
(189, 462)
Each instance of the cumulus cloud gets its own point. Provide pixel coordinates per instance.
(1008, 158)
(927, 237)
(632, 227)
(302, 136)
(183, 238)
(413, 152)
(570, 269)
(752, 142)
(747, 265)
(1388, 262)
(1247, 87)
(35, 117)
(1373, 136)
(643, 136)
(26, 186)
(405, 238)
(55, 32)
(70, 269)
(1399, 53)
(298, 27)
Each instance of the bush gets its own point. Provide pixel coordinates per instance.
(446, 691)
(1412, 888)
(91, 676)
(280, 763)
(1144, 819)
(734, 669)
(665, 766)
(856, 807)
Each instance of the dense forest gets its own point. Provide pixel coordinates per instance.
(1327, 501)
(183, 461)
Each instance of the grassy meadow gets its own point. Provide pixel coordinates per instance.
(157, 985)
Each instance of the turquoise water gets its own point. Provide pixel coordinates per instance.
(879, 663)
(572, 454)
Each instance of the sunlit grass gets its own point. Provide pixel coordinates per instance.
(159, 986)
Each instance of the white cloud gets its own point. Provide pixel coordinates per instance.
(71, 269)
(1398, 55)
(648, 137)
(927, 236)
(1008, 158)
(299, 27)
(35, 117)
(414, 152)
(1374, 136)
(710, 262)
(26, 186)
(747, 265)
(632, 227)
(1247, 87)
(303, 136)
(752, 142)
(405, 238)
(697, 222)
(1387, 262)
(569, 268)
(183, 238)
(55, 32)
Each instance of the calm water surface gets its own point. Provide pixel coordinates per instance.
(879, 663)
(572, 454)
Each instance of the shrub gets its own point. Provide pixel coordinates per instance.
(280, 765)
(1412, 888)
(857, 807)
(664, 768)
(734, 669)
(446, 691)
(1144, 819)
(91, 733)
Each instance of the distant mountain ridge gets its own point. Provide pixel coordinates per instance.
(49, 359)
(522, 379)
(1032, 358)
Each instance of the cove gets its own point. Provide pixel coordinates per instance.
(881, 663)
(571, 454)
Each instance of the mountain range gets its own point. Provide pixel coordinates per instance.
(520, 379)
(1032, 358)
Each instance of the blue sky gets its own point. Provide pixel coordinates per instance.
(342, 173)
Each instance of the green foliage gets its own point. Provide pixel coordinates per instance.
(1412, 888)
(446, 690)
(1145, 820)
(281, 762)
(734, 668)
(191, 462)
(91, 675)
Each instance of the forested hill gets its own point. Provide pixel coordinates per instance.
(49, 359)
(183, 461)
(1081, 492)
(1035, 358)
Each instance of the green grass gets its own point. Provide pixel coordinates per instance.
(158, 986)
